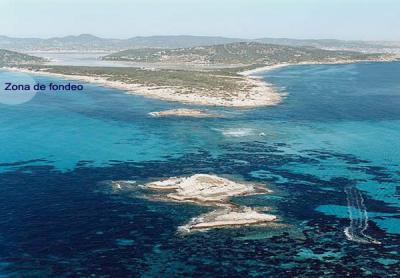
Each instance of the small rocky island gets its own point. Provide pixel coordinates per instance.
(211, 190)
(184, 112)
(229, 217)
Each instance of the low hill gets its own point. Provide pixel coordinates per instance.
(178, 41)
(240, 53)
(15, 58)
(332, 44)
(87, 42)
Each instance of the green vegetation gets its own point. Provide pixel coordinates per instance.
(241, 53)
(187, 80)
(9, 58)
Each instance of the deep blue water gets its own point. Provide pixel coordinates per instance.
(330, 151)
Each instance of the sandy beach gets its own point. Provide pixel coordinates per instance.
(255, 71)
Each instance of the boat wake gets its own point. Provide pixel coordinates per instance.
(358, 216)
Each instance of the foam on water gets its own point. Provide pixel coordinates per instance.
(237, 132)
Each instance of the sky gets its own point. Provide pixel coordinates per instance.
(339, 19)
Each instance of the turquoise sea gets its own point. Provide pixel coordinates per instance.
(330, 152)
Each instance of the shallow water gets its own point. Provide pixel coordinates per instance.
(330, 151)
(94, 59)
(89, 59)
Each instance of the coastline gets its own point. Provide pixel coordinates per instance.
(259, 93)
(253, 72)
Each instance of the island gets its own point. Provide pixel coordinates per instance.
(242, 216)
(212, 191)
(184, 112)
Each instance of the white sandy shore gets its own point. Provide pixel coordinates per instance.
(259, 94)
(252, 72)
